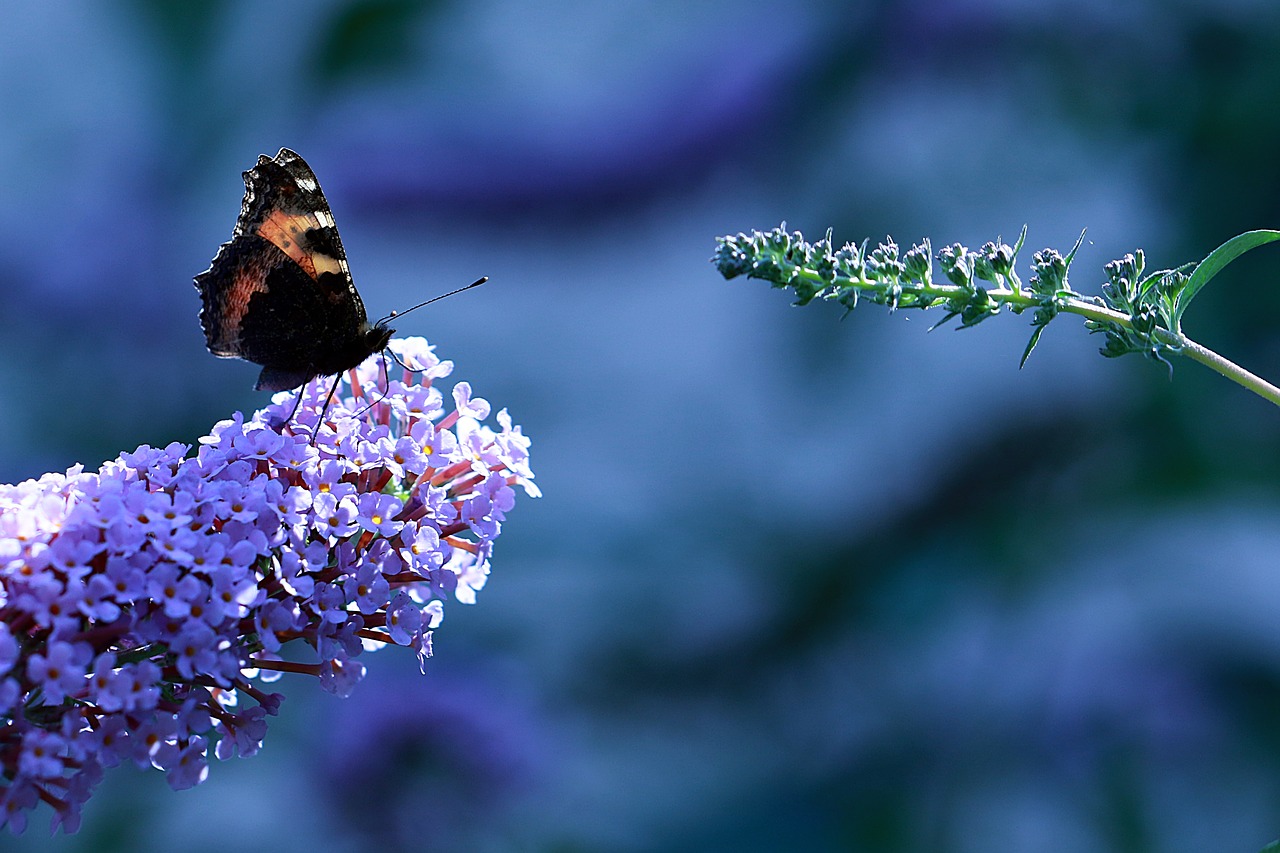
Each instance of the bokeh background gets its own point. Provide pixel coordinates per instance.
(796, 582)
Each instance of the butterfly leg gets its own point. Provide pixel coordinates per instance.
(337, 377)
(281, 426)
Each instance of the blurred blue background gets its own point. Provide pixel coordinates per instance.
(796, 582)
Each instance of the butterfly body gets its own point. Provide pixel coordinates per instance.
(280, 293)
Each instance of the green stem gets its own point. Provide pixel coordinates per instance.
(1229, 369)
(1091, 311)
(1189, 348)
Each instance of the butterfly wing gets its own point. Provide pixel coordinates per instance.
(280, 292)
(261, 306)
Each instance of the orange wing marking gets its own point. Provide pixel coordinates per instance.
(287, 231)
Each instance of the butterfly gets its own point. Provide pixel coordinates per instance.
(280, 293)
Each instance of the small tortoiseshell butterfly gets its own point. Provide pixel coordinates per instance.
(280, 293)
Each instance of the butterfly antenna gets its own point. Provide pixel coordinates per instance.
(395, 314)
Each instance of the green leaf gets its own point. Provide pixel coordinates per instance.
(1031, 344)
(1213, 264)
(1273, 847)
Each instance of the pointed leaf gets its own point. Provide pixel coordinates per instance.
(1031, 344)
(1213, 264)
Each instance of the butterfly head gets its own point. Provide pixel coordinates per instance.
(376, 337)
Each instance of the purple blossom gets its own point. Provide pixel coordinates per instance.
(128, 593)
(242, 733)
(404, 619)
(102, 681)
(468, 406)
(43, 755)
(97, 603)
(439, 446)
(173, 590)
(367, 589)
(10, 692)
(20, 797)
(377, 513)
(418, 401)
(421, 546)
(112, 739)
(59, 671)
(186, 765)
(340, 677)
(8, 649)
(194, 651)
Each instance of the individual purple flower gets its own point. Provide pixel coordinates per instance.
(102, 681)
(485, 509)
(421, 357)
(258, 444)
(340, 677)
(418, 401)
(341, 640)
(185, 765)
(97, 601)
(421, 547)
(242, 733)
(19, 797)
(468, 406)
(404, 619)
(403, 457)
(439, 446)
(377, 513)
(44, 598)
(232, 594)
(43, 755)
(8, 649)
(176, 545)
(329, 603)
(335, 518)
(71, 556)
(274, 620)
(444, 585)
(138, 685)
(112, 738)
(367, 589)
(194, 650)
(290, 503)
(128, 576)
(172, 589)
(58, 671)
(329, 477)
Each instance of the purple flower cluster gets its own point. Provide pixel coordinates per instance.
(142, 606)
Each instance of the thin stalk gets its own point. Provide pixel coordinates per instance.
(1090, 311)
